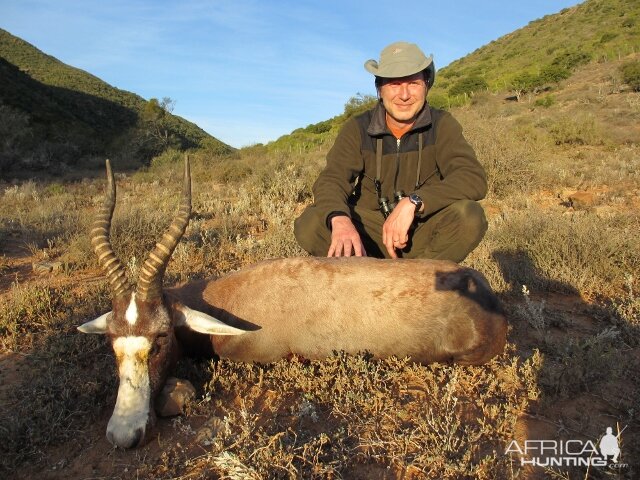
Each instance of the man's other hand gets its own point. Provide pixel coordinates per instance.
(345, 239)
(395, 231)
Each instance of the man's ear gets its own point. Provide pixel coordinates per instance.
(201, 322)
(99, 325)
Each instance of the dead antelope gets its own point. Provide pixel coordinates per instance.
(431, 311)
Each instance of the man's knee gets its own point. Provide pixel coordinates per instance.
(471, 219)
(457, 230)
(470, 227)
(311, 232)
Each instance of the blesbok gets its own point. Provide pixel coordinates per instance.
(428, 310)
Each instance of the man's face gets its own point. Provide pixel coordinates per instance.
(404, 97)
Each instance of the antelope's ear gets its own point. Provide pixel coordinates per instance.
(203, 323)
(99, 325)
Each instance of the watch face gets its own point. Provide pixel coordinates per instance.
(416, 200)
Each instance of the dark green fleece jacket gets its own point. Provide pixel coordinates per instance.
(449, 169)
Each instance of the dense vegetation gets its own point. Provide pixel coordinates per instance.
(53, 116)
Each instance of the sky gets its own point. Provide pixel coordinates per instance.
(249, 71)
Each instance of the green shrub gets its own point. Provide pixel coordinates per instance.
(358, 104)
(631, 74)
(629, 23)
(607, 37)
(320, 127)
(546, 101)
(171, 155)
(526, 81)
(553, 74)
(571, 60)
(439, 100)
(468, 85)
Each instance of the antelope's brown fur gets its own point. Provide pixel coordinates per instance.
(429, 310)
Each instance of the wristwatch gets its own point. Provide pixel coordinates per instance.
(417, 201)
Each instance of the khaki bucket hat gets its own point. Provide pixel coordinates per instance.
(400, 59)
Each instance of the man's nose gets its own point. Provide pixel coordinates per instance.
(404, 91)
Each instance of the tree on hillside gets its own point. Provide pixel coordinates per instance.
(527, 82)
(154, 117)
(358, 104)
(523, 82)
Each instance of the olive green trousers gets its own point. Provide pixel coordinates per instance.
(449, 234)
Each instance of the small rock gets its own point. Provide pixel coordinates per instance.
(46, 267)
(209, 431)
(174, 396)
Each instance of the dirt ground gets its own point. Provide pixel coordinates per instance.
(89, 456)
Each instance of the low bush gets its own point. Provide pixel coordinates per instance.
(508, 163)
(579, 130)
(549, 251)
(572, 60)
(553, 74)
(545, 102)
(631, 74)
(468, 85)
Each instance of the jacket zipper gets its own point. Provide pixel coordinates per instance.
(395, 180)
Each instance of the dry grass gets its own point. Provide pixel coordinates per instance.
(569, 278)
(66, 380)
(329, 419)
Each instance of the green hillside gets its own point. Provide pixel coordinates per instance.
(533, 59)
(546, 51)
(54, 116)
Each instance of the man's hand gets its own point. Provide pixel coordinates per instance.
(345, 239)
(395, 231)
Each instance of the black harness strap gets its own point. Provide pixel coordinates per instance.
(419, 160)
(376, 182)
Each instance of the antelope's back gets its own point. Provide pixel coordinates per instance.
(427, 309)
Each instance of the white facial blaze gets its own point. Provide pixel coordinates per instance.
(131, 315)
(131, 412)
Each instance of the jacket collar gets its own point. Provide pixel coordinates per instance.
(378, 123)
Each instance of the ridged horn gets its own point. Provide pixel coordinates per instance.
(107, 259)
(152, 271)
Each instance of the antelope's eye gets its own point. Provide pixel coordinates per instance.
(159, 342)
